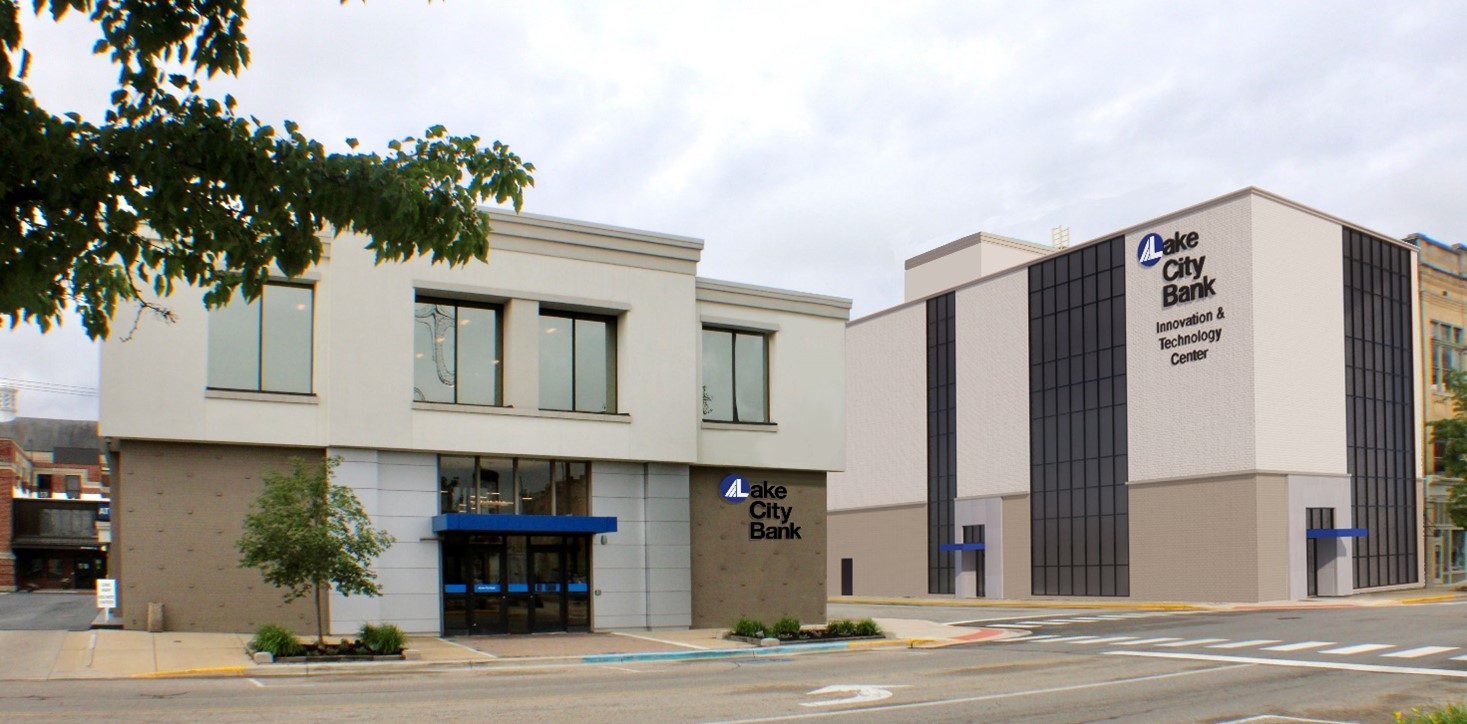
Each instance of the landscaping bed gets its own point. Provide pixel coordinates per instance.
(788, 630)
(276, 644)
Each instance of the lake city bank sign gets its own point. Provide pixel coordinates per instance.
(771, 517)
(1186, 339)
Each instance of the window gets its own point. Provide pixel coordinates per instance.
(456, 353)
(735, 376)
(265, 344)
(577, 362)
(1446, 351)
(73, 487)
(508, 486)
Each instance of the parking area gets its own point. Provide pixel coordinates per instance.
(47, 611)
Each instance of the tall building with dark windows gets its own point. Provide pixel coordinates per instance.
(580, 434)
(1218, 404)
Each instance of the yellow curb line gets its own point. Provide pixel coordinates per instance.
(1430, 599)
(190, 672)
(1021, 604)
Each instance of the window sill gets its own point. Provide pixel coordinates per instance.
(262, 396)
(515, 412)
(745, 426)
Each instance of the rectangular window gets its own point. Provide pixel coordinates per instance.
(456, 353)
(263, 345)
(509, 486)
(577, 362)
(735, 376)
(1446, 351)
(73, 487)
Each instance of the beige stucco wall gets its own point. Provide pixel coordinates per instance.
(886, 412)
(888, 548)
(735, 576)
(1210, 539)
(1017, 559)
(181, 510)
(993, 387)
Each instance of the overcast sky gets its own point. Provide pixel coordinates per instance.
(815, 146)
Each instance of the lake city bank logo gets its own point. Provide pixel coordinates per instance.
(735, 489)
(1149, 252)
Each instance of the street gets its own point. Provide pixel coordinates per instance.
(1347, 664)
(47, 611)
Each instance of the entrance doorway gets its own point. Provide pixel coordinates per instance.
(1318, 552)
(497, 584)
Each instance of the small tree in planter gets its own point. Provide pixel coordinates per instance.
(307, 534)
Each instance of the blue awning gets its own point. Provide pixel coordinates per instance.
(529, 524)
(1336, 533)
(961, 547)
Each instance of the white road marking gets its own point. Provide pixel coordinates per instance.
(1281, 717)
(859, 693)
(1106, 640)
(991, 697)
(1071, 639)
(1085, 619)
(1191, 642)
(1243, 644)
(1005, 625)
(1296, 663)
(1144, 642)
(1300, 646)
(1044, 623)
(1357, 649)
(1418, 653)
(256, 682)
(1028, 639)
(469, 648)
(661, 641)
(622, 668)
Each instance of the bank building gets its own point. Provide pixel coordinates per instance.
(581, 434)
(1217, 404)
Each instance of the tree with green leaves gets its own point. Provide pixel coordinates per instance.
(307, 534)
(176, 187)
(1451, 434)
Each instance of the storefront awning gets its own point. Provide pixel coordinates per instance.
(528, 524)
(1336, 533)
(961, 547)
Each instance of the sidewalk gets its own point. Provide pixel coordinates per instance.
(114, 654)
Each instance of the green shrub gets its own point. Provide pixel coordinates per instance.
(1454, 714)
(383, 639)
(841, 627)
(866, 627)
(787, 627)
(751, 627)
(277, 640)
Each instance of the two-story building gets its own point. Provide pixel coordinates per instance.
(53, 504)
(580, 434)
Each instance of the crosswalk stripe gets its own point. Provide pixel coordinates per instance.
(1145, 642)
(1300, 646)
(1243, 644)
(1106, 640)
(1418, 653)
(1357, 649)
(1191, 642)
(1459, 658)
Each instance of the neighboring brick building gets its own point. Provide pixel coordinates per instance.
(54, 504)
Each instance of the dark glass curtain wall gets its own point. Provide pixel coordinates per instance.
(1077, 423)
(1380, 410)
(942, 439)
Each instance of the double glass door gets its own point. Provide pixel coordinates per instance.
(515, 584)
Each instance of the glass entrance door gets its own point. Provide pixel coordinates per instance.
(515, 584)
(547, 569)
(473, 586)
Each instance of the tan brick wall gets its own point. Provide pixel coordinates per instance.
(1212, 539)
(178, 511)
(888, 547)
(734, 576)
(7, 529)
(1017, 543)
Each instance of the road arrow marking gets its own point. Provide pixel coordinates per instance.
(861, 693)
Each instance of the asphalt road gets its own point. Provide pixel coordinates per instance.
(47, 611)
(1050, 676)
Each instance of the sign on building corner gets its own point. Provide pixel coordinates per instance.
(771, 518)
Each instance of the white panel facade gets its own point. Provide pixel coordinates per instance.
(400, 492)
(886, 412)
(1336, 577)
(1190, 366)
(959, 267)
(640, 573)
(993, 386)
(987, 512)
(1299, 371)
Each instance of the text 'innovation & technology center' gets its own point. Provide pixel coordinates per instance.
(579, 435)
(1215, 405)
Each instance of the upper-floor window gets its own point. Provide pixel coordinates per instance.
(73, 487)
(577, 362)
(1446, 351)
(735, 376)
(263, 344)
(456, 353)
(513, 486)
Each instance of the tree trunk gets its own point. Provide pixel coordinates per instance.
(320, 630)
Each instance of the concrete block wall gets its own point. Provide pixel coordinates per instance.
(400, 492)
(641, 574)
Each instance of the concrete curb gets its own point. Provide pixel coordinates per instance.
(978, 603)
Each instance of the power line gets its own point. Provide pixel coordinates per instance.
(49, 387)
